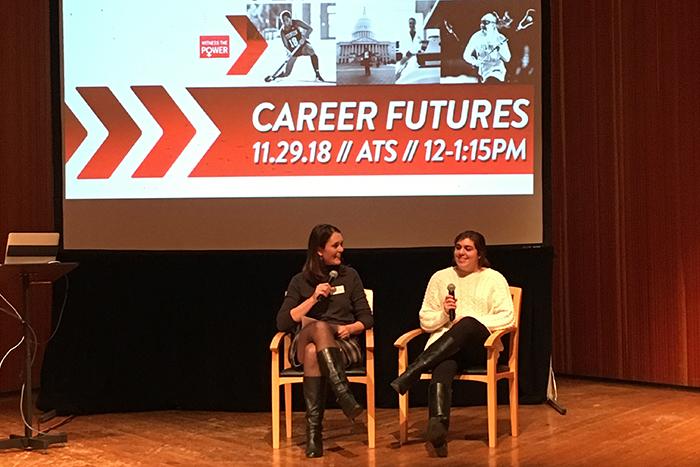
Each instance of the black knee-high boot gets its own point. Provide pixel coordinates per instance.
(330, 361)
(439, 402)
(438, 351)
(315, 398)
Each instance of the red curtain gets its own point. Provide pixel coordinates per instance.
(625, 188)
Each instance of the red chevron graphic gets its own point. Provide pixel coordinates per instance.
(177, 131)
(220, 104)
(74, 133)
(123, 132)
(255, 44)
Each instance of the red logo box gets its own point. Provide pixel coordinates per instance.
(214, 47)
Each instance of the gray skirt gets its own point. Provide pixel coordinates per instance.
(350, 348)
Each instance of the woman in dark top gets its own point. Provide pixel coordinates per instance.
(326, 308)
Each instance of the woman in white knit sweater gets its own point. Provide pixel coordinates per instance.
(459, 323)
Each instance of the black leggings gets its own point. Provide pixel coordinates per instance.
(470, 335)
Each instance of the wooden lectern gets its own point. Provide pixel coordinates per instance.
(29, 275)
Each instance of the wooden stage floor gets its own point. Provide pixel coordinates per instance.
(606, 424)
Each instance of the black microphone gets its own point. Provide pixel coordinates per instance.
(331, 275)
(451, 293)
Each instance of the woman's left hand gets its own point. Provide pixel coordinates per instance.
(343, 331)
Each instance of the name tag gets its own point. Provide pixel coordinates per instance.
(338, 289)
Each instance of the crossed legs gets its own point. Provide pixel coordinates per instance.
(312, 339)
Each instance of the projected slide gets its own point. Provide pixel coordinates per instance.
(241, 99)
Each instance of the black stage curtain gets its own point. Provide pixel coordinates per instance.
(191, 330)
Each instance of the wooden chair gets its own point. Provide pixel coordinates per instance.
(283, 374)
(490, 374)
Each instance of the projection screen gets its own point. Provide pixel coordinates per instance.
(238, 125)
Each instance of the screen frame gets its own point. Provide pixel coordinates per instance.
(544, 121)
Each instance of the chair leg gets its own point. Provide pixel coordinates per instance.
(513, 389)
(275, 416)
(492, 409)
(403, 418)
(288, 409)
(371, 422)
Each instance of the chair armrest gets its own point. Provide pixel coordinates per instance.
(369, 339)
(494, 340)
(402, 341)
(277, 340)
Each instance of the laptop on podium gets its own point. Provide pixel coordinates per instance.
(31, 247)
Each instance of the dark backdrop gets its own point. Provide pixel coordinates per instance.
(154, 330)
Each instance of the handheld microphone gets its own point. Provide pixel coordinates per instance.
(331, 275)
(451, 293)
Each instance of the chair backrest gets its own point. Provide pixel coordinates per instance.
(369, 333)
(369, 293)
(516, 293)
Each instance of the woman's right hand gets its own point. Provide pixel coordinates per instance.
(450, 303)
(322, 290)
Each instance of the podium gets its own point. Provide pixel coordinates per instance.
(29, 275)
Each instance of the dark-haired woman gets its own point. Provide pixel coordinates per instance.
(482, 303)
(326, 307)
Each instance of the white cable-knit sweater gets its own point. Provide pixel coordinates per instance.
(483, 295)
